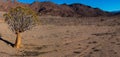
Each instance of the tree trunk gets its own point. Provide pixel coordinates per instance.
(18, 40)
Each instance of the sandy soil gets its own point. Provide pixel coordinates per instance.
(65, 37)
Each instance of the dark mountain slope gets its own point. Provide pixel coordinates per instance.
(49, 8)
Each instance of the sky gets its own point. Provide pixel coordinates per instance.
(106, 5)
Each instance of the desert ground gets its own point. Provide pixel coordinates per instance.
(65, 37)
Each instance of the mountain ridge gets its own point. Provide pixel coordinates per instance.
(64, 10)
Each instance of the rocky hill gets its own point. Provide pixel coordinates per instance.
(49, 8)
(8, 4)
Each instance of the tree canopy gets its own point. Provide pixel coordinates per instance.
(21, 19)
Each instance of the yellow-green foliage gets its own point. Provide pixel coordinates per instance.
(21, 19)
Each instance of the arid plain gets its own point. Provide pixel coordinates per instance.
(65, 37)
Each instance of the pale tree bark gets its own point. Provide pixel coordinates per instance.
(18, 40)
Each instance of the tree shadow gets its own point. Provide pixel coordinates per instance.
(7, 42)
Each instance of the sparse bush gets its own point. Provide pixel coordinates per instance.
(19, 20)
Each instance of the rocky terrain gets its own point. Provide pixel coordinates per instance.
(76, 34)
(49, 8)
(65, 37)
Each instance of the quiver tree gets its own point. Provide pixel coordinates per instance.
(19, 20)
